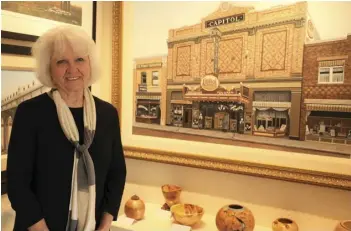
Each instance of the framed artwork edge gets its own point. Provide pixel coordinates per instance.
(318, 178)
(226, 141)
(324, 179)
(18, 49)
(15, 68)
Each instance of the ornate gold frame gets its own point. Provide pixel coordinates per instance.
(116, 82)
(241, 167)
(184, 159)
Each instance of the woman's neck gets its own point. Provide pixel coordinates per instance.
(73, 99)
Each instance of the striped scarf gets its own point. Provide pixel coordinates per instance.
(81, 215)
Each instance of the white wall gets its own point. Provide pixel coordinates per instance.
(102, 88)
(331, 18)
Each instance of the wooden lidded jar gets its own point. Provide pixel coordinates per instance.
(135, 208)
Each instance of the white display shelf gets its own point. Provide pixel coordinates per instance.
(155, 219)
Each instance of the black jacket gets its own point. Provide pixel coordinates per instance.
(40, 160)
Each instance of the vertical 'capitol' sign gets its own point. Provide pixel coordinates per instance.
(225, 20)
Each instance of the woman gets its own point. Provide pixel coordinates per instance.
(66, 168)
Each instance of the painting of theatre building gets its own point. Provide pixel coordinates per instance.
(237, 70)
(239, 74)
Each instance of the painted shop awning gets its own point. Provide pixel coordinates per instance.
(148, 101)
(332, 105)
(328, 107)
(216, 97)
(210, 90)
(151, 97)
(179, 101)
(267, 104)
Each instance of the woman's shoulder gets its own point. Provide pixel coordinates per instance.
(34, 109)
(40, 102)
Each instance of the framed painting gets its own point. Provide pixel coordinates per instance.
(24, 21)
(16, 87)
(180, 105)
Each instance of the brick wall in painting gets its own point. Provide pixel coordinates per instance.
(338, 50)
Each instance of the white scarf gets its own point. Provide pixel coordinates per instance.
(81, 215)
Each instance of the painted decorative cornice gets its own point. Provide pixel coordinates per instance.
(299, 22)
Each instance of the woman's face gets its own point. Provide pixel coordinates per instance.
(69, 72)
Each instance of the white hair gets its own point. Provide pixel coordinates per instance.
(53, 43)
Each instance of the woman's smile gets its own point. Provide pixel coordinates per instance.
(72, 78)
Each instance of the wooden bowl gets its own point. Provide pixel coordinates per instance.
(187, 214)
(171, 193)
